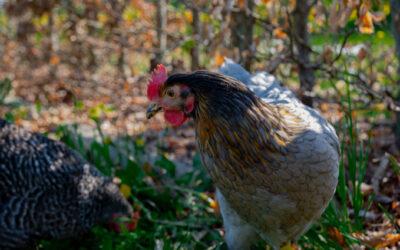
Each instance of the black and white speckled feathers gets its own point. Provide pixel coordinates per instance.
(48, 191)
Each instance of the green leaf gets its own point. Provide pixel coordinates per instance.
(39, 37)
(38, 106)
(188, 45)
(389, 217)
(94, 113)
(132, 175)
(79, 105)
(168, 165)
(9, 117)
(5, 88)
(79, 9)
(393, 163)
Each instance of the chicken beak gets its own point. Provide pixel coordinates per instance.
(152, 110)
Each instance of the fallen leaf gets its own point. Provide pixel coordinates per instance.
(389, 240)
(139, 100)
(377, 239)
(146, 167)
(125, 190)
(54, 60)
(116, 180)
(378, 16)
(127, 86)
(107, 140)
(366, 26)
(140, 142)
(362, 54)
(327, 54)
(219, 58)
(288, 247)
(335, 235)
(279, 33)
(215, 206)
(189, 16)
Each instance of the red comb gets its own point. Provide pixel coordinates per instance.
(158, 77)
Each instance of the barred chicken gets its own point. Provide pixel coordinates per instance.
(274, 160)
(48, 191)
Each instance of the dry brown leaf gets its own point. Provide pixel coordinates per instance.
(366, 19)
(127, 86)
(336, 236)
(241, 4)
(105, 99)
(324, 107)
(54, 60)
(354, 114)
(257, 41)
(139, 100)
(366, 26)
(378, 16)
(157, 126)
(215, 206)
(279, 33)
(146, 167)
(362, 54)
(377, 239)
(17, 121)
(189, 16)
(219, 58)
(389, 240)
(172, 144)
(327, 54)
(371, 240)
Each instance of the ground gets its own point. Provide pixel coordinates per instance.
(45, 102)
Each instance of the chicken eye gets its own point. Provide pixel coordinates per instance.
(170, 93)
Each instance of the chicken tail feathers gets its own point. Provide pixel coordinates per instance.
(232, 69)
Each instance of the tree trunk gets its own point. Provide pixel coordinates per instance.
(300, 22)
(161, 34)
(242, 33)
(395, 12)
(50, 49)
(91, 15)
(121, 57)
(195, 51)
(122, 42)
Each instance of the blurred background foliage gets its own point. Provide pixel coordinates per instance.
(77, 70)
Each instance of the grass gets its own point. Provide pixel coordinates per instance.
(5, 88)
(335, 228)
(177, 212)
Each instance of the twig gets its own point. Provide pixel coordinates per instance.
(385, 96)
(348, 34)
(379, 173)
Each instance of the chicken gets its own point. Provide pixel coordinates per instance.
(274, 160)
(48, 191)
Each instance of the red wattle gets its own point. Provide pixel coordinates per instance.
(175, 117)
(189, 105)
